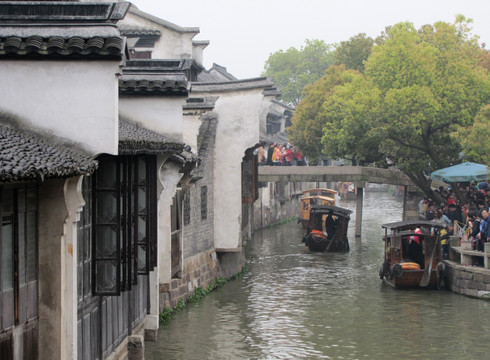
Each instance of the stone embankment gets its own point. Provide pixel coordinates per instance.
(464, 273)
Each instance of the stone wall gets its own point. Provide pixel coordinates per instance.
(467, 280)
(199, 271)
(199, 233)
(199, 229)
(230, 263)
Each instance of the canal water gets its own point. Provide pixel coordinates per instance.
(293, 304)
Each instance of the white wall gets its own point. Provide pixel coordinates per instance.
(198, 53)
(192, 123)
(171, 45)
(160, 114)
(169, 176)
(76, 100)
(238, 129)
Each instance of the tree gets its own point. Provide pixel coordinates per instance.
(431, 84)
(348, 114)
(293, 69)
(355, 52)
(419, 90)
(307, 121)
(475, 139)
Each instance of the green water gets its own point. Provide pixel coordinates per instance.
(293, 304)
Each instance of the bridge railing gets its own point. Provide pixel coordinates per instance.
(333, 173)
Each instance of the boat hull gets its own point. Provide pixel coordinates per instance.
(321, 244)
(410, 279)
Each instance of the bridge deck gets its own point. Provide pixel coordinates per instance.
(356, 174)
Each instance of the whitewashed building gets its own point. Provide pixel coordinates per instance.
(81, 187)
(106, 220)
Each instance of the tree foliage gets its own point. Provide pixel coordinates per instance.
(475, 139)
(308, 123)
(355, 52)
(420, 91)
(293, 69)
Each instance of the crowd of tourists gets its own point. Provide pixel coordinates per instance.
(280, 155)
(470, 215)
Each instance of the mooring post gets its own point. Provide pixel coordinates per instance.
(405, 199)
(360, 197)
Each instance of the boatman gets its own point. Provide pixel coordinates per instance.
(330, 224)
(415, 249)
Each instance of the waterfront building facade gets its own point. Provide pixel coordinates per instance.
(125, 183)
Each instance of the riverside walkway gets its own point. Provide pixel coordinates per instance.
(359, 175)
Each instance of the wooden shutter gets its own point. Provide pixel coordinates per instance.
(107, 243)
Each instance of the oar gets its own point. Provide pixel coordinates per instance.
(329, 244)
(426, 277)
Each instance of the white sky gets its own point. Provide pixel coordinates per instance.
(243, 34)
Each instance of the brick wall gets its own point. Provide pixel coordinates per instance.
(199, 232)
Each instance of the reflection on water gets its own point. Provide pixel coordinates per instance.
(293, 304)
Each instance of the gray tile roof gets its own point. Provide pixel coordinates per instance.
(200, 103)
(160, 77)
(283, 104)
(28, 155)
(53, 47)
(216, 73)
(135, 139)
(132, 31)
(157, 84)
(158, 65)
(234, 85)
(61, 29)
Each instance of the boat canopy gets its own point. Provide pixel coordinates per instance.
(326, 209)
(319, 191)
(409, 224)
(321, 197)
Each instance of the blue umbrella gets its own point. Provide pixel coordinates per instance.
(467, 171)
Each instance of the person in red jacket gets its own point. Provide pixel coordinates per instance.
(288, 156)
(300, 160)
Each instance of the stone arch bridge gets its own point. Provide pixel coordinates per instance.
(359, 175)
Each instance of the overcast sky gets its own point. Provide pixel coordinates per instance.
(243, 33)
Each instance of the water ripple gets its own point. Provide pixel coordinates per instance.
(293, 304)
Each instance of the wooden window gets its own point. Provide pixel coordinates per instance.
(187, 208)
(273, 127)
(84, 240)
(107, 223)
(125, 222)
(204, 202)
(176, 235)
(143, 213)
(250, 190)
(18, 255)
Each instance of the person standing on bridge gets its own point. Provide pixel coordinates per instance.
(276, 155)
(288, 156)
(270, 153)
(300, 160)
(260, 155)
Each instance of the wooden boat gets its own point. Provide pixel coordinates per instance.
(320, 196)
(412, 254)
(327, 228)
